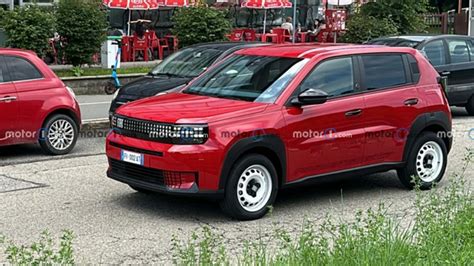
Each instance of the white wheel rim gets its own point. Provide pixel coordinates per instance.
(429, 161)
(254, 188)
(61, 134)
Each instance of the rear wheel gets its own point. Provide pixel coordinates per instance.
(470, 106)
(426, 162)
(251, 188)
(58, 135)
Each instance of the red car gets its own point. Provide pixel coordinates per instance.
(272, 117)
(35, 105)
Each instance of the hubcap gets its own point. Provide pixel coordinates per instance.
(254, 188)
(429, 161)
(61, 134)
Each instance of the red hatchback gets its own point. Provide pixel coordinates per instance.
(35, 105)
(272, 117)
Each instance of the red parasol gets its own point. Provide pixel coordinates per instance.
(266, 4)
(132, 5)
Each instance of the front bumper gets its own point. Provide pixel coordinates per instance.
(159, 158)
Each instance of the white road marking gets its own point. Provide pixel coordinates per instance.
(95, 103)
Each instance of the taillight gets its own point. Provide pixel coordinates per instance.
(179, 180)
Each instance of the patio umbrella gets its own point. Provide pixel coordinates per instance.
(266, 4)
(176, 3)
(132, 5)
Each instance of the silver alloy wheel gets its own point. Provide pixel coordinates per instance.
(429, 161)
(254, 188)
(61, 134)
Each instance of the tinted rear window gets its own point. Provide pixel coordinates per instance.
(21, 69)
(384, 71)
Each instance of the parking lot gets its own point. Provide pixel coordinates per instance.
(114, 224)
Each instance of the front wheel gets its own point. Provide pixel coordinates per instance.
(58, 135)
(426, 162)
(251, 188)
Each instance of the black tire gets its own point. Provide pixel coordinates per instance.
(110, 88)
(470, 106)
(409, 175)
(231, 204)
(47, 144)
(141, 190)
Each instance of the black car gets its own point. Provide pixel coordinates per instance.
(451, 55)
(176, 70)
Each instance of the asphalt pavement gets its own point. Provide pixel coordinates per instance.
(94, 107)
(113, 224)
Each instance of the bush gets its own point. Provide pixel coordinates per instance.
(200, 24)
(404, 13)
(82, 25)
(28, 27)
(363, 28)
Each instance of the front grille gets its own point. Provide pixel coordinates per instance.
(158, 131)
(137, 172)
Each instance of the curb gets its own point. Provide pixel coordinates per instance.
(95, 124)
(134, 75)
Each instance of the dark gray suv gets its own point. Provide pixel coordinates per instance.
(451, 55)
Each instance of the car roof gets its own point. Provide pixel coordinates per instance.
(420, 37)
(16, 51)
(311, 50)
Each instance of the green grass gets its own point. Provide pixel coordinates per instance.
(100, 71)
(442, 233)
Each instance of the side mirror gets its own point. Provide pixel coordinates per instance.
(310, 96)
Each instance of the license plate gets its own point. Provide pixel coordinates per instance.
(132, 157)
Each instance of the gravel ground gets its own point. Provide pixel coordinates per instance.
(114, 224)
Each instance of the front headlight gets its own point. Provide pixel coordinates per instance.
(181, 134)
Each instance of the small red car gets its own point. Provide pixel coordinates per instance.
(35, 105)
(267, 118)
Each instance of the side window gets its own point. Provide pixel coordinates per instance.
(470, 44)
(458, 51)
(335, 77)
(435, 52)
(415, 69)
(2, 79)
(384, 71)
(21, 69)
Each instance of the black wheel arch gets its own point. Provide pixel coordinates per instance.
(435, 122)
(270, 146)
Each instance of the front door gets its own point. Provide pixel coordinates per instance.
(8, 107)
(328, 137)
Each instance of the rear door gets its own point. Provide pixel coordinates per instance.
(461, 70)
(391, 104)
(8, 107)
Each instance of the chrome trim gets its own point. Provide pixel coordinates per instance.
(7, 99)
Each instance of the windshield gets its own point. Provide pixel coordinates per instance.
(189, 62)
(248, 78)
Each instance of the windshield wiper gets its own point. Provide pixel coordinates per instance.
(169, 75)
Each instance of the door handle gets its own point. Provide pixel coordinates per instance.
(411, 102)
(354, 112)
(445, 73)
(8, 99)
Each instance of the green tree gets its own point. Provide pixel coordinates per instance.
(83, 25)
(28, 27)
(404, 13)
(200, 24)
(362, 28)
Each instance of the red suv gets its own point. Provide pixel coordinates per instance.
(35, 105)
(271, 117)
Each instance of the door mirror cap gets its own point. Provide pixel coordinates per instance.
(309, 97)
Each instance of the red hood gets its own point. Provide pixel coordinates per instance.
(187, 108)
